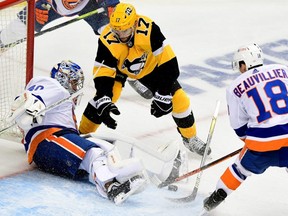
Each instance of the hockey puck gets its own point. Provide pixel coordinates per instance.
(172, 188)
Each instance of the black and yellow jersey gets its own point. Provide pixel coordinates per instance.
(148, 58)
(150, 50)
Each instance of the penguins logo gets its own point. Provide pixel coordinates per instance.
(135, 66)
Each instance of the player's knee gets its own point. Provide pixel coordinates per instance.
(183, 115)
(181, 103)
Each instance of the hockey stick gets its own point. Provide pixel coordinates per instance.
(140, 88)
(83, 16)
(211, 164)
(193, 195)
(71, 97)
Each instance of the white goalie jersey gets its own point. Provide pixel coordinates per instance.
(258, 99)
(49, 91)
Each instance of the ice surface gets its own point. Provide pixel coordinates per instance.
(203, 34)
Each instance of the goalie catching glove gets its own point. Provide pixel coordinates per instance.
(26, 110)
(161, 105)
(104, 106)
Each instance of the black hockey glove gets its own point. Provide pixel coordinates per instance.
(161, 105)
(104, 106)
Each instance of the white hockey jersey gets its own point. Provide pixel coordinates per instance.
(68, 7)
(258, 103)
(59, 118)
(50, 91)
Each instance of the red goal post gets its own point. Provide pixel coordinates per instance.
(16, 58)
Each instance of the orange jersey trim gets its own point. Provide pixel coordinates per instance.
(68, 145)
(38, 139)
(263, 146)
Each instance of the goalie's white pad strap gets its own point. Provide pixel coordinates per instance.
(101, 171)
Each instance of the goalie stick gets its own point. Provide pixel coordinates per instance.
(193, 195)
(83, 16)
(170, 149)
(71, 97)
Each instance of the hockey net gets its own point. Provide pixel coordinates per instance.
(16, 59)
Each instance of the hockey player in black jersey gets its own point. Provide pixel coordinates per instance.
(133, 46)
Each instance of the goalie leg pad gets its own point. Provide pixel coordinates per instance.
(157, 160)
(103, 169)
(126, 169)
(95, 163)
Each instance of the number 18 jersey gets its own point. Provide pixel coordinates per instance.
(258, 104)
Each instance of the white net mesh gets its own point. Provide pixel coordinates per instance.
(12, 69)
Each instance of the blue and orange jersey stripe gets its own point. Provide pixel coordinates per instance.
(38, 134)
(267, 139)
(39, 137)
(68, 145)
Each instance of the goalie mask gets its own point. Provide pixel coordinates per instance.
(69, 75)
(251, 55)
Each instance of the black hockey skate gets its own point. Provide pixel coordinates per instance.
(118, 192)
(214, 199)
